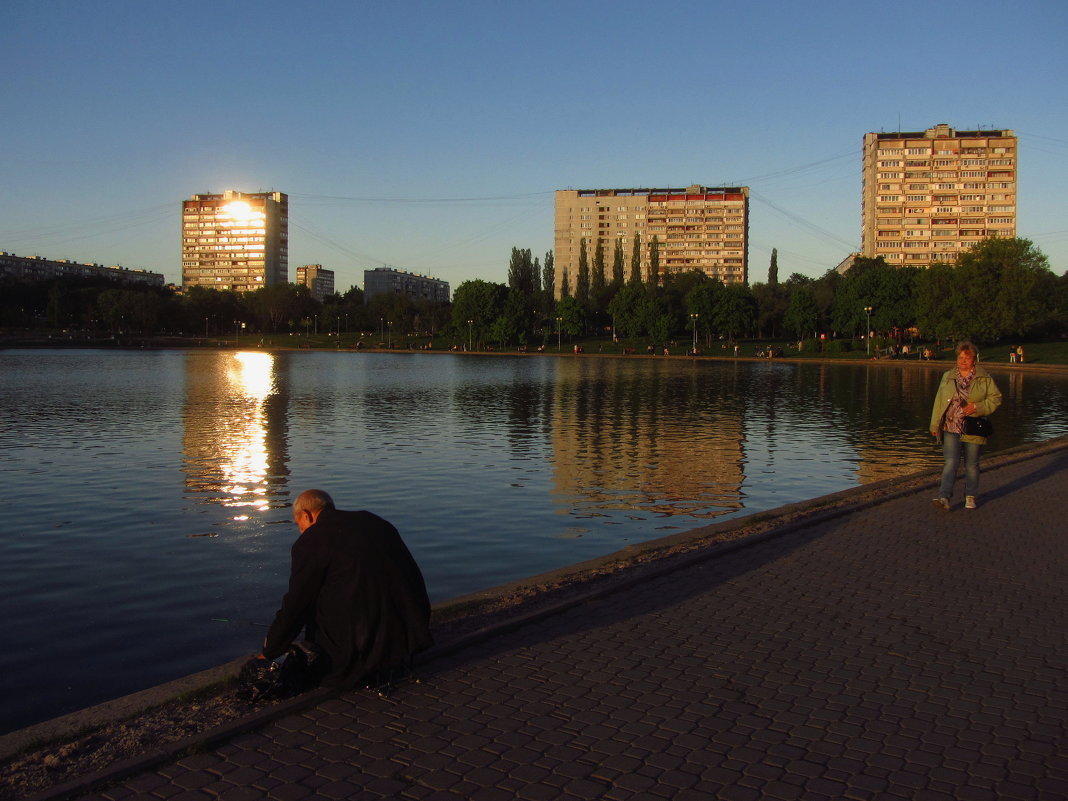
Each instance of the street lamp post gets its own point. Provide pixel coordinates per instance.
(470, 342)
(559, 326)
(867, 336)
(389, 335)
(694, 318)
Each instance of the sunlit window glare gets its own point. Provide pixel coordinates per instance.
(241, 212)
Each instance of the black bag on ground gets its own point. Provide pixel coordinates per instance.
(300, 671)
(978, 427)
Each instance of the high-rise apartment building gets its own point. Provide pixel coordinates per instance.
(696, 228)
(320, 281)
(235, 240)
(930, 194)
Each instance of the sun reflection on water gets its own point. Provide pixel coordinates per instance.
(227, 434)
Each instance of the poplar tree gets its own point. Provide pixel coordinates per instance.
(548, 281)
(773, 268)
(617, 265)
(636, 260)
(654, 261)
(597, 281)
(582, 283)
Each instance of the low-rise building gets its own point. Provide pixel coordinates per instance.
(386, 280)
(37, 268)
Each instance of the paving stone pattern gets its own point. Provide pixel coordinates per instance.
(899, 652)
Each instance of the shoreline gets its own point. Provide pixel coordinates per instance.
(469, 619)
(224, 345)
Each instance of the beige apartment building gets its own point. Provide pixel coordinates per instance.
(320, 281)
(235, 240)
(930, 194)
(696, 228)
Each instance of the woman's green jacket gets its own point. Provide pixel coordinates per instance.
(984, 393)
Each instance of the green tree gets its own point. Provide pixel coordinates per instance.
(1002, 289)
(654, 261)
(548, 280)
(656, 321)
(704, 300)
(212, 311)
(636, 260)
(801, 312)
(598, 299)
(626, 310)
(482, 303)
(771, 302)
(736, 313)
(889, 291)
(572, 316)
(934, 301)
(582, 282)
(512, 326)
(773, 268)
(282, 306)
(521, 275)
(128, 310)
(617, 266)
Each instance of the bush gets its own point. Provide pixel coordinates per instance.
(838, 346)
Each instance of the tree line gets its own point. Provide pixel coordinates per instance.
(1000, 288)
(99, 306)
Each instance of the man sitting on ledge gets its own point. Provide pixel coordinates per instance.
(356, 591)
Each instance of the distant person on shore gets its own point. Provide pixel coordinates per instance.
(967, 390)
(355, 590)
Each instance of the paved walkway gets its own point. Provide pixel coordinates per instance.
(895, 652)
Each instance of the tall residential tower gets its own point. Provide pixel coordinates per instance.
(696, 228)
(235, 240)
(930, 194)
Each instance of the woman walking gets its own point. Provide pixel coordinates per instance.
(965, 391)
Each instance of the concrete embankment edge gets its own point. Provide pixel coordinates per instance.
(499, 609)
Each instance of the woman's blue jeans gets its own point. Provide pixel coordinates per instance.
(951, 452)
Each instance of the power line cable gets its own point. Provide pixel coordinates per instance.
(797, 219)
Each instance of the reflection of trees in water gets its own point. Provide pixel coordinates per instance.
(647, 438)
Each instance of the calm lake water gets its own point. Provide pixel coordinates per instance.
(145, 526)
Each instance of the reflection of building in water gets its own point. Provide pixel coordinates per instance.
(235, 429)
(868, 396)
(636, 443)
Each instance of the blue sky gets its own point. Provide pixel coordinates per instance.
(430, 136)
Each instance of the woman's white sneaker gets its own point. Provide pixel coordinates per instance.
(969, 502)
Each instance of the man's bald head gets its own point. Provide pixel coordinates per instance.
(307, 507)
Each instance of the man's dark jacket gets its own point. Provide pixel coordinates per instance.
(356, 587)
